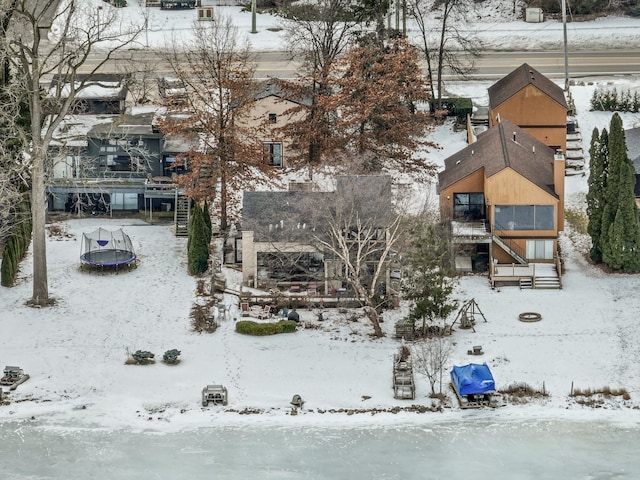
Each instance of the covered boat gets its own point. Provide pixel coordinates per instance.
(473, 384)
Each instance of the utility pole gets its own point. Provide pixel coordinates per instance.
(253, 16)
(566, 55)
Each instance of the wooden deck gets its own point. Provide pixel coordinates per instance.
(533, 275)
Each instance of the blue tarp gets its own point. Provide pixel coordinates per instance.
(472, 379)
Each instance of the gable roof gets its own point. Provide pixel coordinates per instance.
(294, 215)
(503, 146)
(274, 87)
(518, 79)
(281, 216)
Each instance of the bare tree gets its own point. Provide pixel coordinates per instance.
(430, 356)
(75, 31)
(449, 47)
(140, 79)
(217, 72)
(318, 34)
(362, 230)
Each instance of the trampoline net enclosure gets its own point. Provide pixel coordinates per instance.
(104, 248)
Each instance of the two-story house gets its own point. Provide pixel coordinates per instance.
(285, 234)
(106, 160)
(504, 197)
(273, 108)
(534, 103)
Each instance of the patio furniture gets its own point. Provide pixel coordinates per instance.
(216, 394)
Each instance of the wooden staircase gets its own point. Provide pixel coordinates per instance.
(511, 249)
(547, 282)
(182, 215)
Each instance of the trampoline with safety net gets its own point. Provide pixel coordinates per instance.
(110, 249)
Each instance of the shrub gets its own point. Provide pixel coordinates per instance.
(577, 219)
(605, 391)
(7, 270)
(457, 107)
(248, 327)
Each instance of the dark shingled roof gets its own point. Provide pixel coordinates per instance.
(277, 88)
(522, 76)
(496, 150)
(632, 138)
(283, 216)
(295, 215)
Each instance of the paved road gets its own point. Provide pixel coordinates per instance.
(491, 65)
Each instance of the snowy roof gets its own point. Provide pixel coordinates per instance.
(98, 87)
(127, 124)
(73, 130)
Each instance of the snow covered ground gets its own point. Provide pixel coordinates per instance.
(85, 414)
(75, 352)
(493, 23)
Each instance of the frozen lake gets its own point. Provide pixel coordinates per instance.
(508, 450)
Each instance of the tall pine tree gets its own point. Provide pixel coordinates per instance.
(620, 233)
(198, 243)
(595, 196)
(432, 280)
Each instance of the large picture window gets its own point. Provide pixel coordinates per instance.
(524, 217)
(468, 206)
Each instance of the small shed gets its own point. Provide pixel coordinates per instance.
(533, 15)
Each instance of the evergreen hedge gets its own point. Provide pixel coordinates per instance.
(16, 247)
(198, 243)
(610, 100)
(248, 327)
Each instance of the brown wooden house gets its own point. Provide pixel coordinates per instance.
(534, 103)
(504, 196)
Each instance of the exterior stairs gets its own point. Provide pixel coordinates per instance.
(547, 282)
(526, 283)
(182, 214)
(518, 256)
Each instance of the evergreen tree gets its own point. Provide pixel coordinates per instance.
(595, 195)
(620, 233)
(431, 282)
(198, 243)
(206, 216)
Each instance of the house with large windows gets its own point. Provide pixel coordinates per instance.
(504, 198)
(534, 103)
(104, 160)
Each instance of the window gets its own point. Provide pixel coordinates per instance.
(524, 217)
(272, 153)
(468, 206)
(540, 249)
(124, 201)
(273, 118)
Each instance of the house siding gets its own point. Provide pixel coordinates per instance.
(537, 114)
